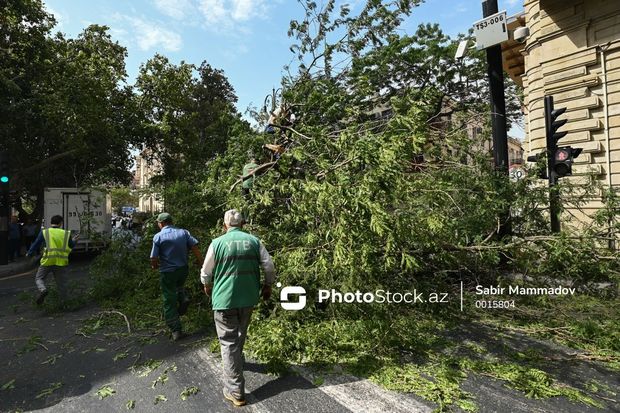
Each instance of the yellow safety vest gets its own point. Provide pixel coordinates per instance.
(56, 251)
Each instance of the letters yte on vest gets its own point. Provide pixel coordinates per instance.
(56, 251)
(237, 270)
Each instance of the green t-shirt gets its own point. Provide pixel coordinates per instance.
(236, 275)
(247, 169)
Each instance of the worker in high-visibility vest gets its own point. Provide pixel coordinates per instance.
(57, 244)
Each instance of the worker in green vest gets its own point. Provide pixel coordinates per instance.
(57, 244)
(231, 276)
(248, 180)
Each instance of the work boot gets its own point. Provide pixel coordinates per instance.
(236, 399)
(41, 297)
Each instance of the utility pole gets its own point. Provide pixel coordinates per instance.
(498, 109)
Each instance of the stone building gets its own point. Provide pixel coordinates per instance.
(572, 52)
(148, 201)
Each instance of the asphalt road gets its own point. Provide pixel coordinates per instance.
(51, 366)
(48, 362)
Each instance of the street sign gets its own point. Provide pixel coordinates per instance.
(491, 30)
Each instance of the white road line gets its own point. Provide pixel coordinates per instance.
(353, 393)
(361, 395)
(214, 367)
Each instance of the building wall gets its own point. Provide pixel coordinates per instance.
(148, 201)
(573, 53)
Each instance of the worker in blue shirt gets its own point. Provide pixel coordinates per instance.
(170, 252)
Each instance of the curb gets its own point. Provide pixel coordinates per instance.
(17, 267)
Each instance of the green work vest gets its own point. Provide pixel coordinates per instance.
(236, 276)
(247, 169)
(56, 251)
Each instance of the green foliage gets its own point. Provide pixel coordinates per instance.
(33, 343)
(62, 100)
(49, 391)
(9, 385)
(105, 391)
(146, 368)
(160, 398)
(351, 206)
(189, 391)
(122, 196)
(187, 119)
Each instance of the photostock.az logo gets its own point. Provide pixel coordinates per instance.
(292, 290)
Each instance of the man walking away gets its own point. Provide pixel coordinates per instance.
(30, 231)
(15, 239)
(57, 244)
(171, 246)
(231, 272)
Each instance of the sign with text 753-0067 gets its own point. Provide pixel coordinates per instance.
(491, 30)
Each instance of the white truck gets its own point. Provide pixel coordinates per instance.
(85, 211)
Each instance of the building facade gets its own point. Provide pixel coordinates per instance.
(148, 201)
(573, 53)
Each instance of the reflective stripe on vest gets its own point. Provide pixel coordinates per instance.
(56, 251)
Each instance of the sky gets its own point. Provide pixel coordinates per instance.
(245, 38)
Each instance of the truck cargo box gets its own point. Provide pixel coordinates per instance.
(85, 211)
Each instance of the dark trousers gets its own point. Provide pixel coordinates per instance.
(173, 292)
(14, 249)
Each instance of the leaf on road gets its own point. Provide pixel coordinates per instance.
(160, 380)
(130, 405)
(160, 398)
(9, 385)
(53, 387)
(121, 356)
(105, 391)
(51, 360)
(189, 391)
(144, 369)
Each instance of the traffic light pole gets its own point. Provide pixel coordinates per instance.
(4, 213)
(552, 147)
(498, 109)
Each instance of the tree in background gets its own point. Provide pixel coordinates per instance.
(188, 115)
(67, 118)
(123, 196)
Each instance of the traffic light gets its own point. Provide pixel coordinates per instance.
(4, 169)
(540, 159)
(559, 159)
(552, 124)
(4, 207)
(563, 160)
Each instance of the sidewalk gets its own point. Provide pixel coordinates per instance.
(22, 264)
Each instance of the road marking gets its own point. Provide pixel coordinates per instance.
(215, 371)
(353, 393)
(17, 275)
(361, 395)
